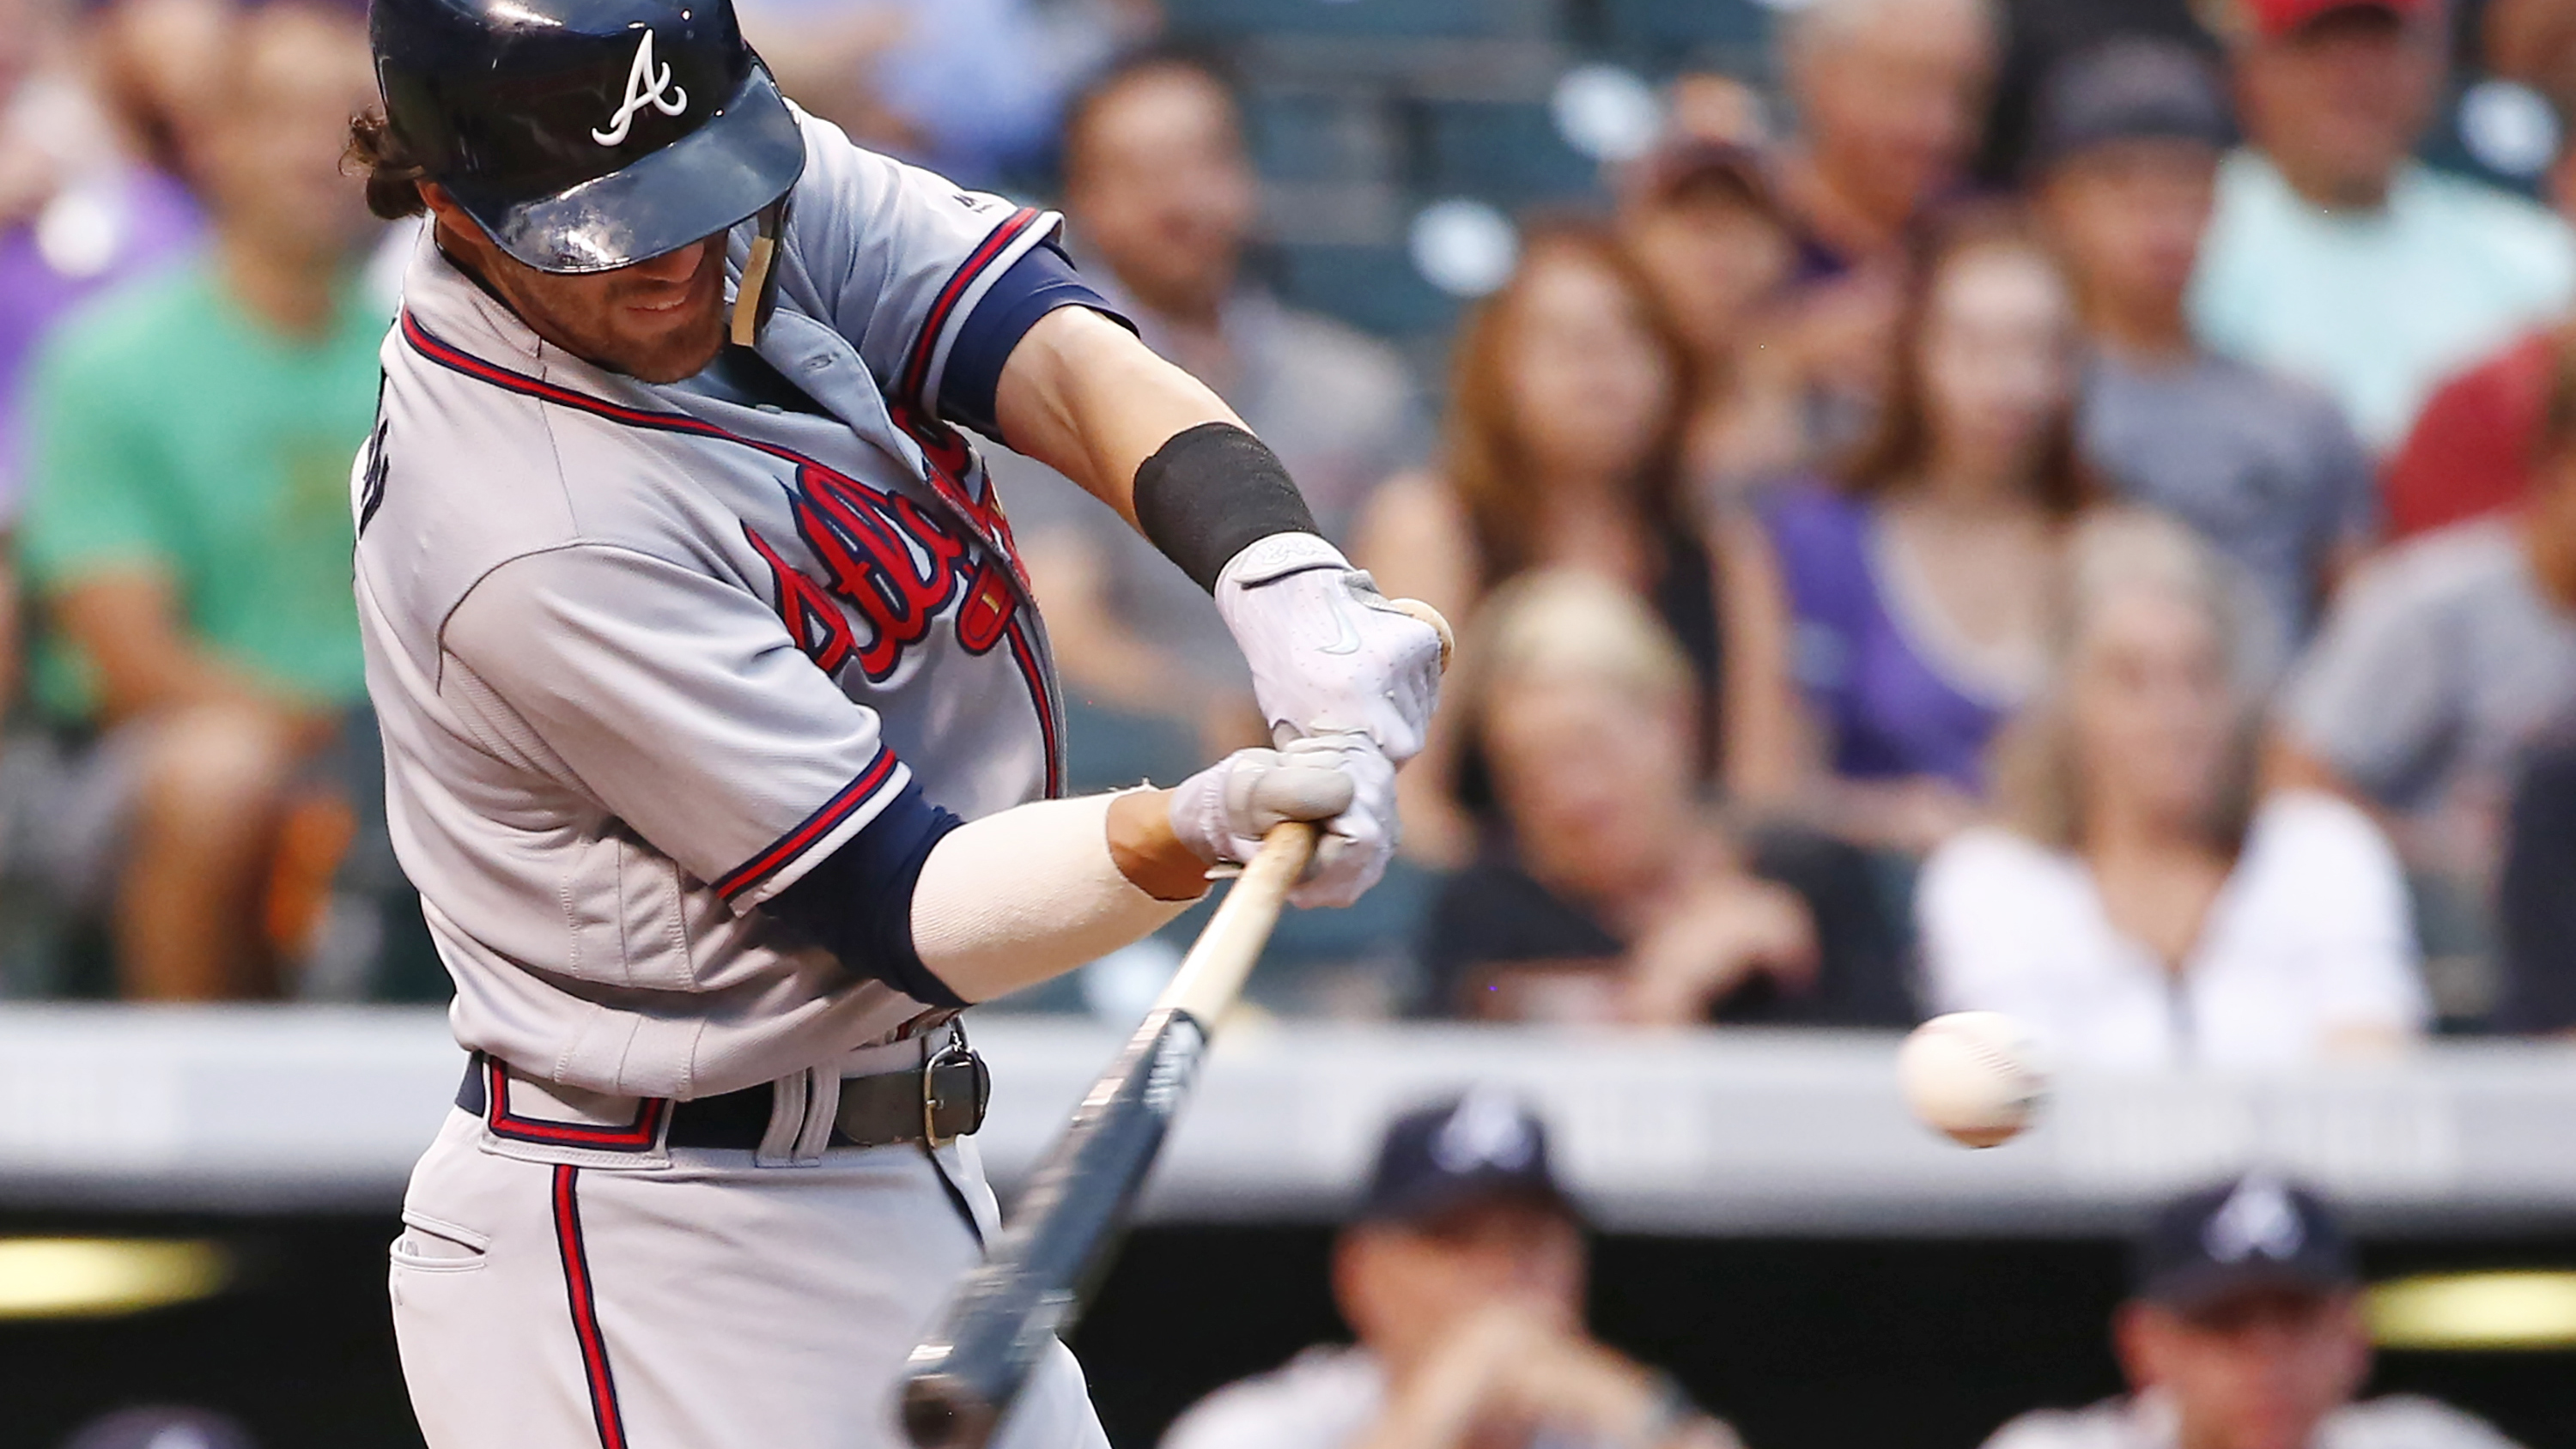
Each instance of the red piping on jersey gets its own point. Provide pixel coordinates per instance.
(635, 1136)
(585, 1312)
(817, 825)
(916, 370)
(429, 345)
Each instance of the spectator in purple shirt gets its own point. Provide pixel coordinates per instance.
(1913, 583)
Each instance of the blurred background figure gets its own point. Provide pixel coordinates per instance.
(1889, 96)
(2444, 659)
(89, 196)
(1162, 203)
(2125, 160)
(1610, 890)
(2244, 1330)
(1706, 226)
(2140, 906)
(972, 89)
(2470, 449)
(188, 532)
(2335, 256)
(1463, 1279)
(1564, 449)
(1914, 578)
(162, 1428)
(2535, 911)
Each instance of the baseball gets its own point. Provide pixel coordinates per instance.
(1973, 1075)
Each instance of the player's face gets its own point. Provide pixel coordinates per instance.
(2151, 707)
(2256, 1371)
(659, 320)
(1404, 1287)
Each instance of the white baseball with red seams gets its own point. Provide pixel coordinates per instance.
(1974, 1076)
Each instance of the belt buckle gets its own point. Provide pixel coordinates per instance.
(954, 1052)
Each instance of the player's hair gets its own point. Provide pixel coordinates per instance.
(1485, 456)
(1899, 448)
(2038, 772)
(392, 175)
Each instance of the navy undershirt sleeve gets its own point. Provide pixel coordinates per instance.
(1030, 288)
(857, 901)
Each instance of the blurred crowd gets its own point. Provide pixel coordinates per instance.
(2046, 507)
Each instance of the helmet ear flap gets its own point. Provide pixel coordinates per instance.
(757, 295)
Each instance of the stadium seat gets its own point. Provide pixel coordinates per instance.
(1362, 17)
(1319, 138)
(1509, 154)
(1373, 288)
(1664, 34)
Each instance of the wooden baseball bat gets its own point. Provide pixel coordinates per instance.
(1031, 1287)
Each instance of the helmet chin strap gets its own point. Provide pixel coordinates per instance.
(758, 292)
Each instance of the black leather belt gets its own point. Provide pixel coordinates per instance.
(937, 1102)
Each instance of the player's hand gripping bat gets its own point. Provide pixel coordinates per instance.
(1030, 1289)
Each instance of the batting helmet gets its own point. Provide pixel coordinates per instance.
(586, 134)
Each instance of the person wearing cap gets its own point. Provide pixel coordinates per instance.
(1708, 229)
(2125, 161)
(1463, 1277)
(2244, 1330)
(2334, 255)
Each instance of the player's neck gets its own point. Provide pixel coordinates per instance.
(289, 294)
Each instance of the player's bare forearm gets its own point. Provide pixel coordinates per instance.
(1083, 396)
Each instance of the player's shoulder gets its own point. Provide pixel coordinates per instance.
(2110, 1424)
(2408, 1421)
(1318, 1400)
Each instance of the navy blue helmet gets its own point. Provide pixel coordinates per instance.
(586, 134)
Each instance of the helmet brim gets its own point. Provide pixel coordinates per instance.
(741, 159)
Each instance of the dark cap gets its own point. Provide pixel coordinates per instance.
(1482, 1146)
(161, 1428)
(2129, 90)
(2275, 19)
(1689, 166)
(2258, 1232)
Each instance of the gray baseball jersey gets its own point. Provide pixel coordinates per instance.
(642, 654)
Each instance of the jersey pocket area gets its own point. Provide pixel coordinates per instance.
(430, 1245)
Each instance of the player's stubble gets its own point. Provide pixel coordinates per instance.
(660, 320)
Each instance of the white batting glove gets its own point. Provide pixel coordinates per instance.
(1328, 653)
(1341, 781)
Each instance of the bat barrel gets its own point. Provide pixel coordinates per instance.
(1011, 1308)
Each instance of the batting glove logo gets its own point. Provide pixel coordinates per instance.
(645, 86)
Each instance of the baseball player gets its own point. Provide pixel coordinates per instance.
(720, 732)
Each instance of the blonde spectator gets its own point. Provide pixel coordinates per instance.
(1563, 449)
(2142, 906)
(1613, 891)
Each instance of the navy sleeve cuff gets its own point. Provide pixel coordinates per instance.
(1030, 288)
(857, 901)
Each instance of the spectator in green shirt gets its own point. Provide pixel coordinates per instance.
(188, 528)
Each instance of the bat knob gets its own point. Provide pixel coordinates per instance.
(1439, 625)
(940, 1411)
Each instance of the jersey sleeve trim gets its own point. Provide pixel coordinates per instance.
(1024, 230)
(766, 874)
(1042, 280)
